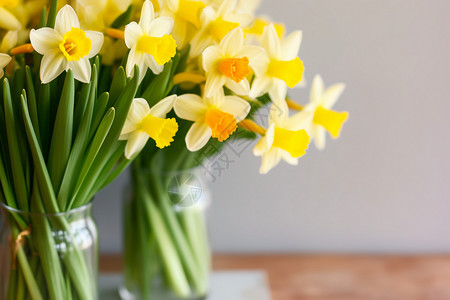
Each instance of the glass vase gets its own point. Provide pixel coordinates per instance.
(48, 256)
(166, 249)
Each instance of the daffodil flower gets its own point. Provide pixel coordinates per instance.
(281, 68)
(144, 122)
(215, 117)
(66, 47)
(150, 42)
(106, 11)
(216, 24)
(325, 119)
(229, 64)
(4, 61)
(9, 41)
(186, 14)
(286, 139)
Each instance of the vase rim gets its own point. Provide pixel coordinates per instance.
(77, 210)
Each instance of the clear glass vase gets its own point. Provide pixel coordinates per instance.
(48, 256)
(166, 249)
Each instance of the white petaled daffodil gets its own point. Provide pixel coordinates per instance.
(325, 119)
(229, 64)
(216, 24)
(144, 122)
(66, 47)
(215, 117)
(106, 11)
(281, 68)
(150, 43)
(4, 61)
(285, 139)
(186, 15)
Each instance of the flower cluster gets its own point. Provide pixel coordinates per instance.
(235, 61)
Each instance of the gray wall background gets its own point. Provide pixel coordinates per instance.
(384, 185)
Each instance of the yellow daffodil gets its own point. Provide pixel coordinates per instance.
(8, 20)
(286, 139)
(216, 24)
(144, 122)
(325, 119)
(281, 68)
(215, 117)
(9, 41)
(229, 64)
(186, 14)
(150, 42)
(66, 47)
(4, 61)
(106, 11)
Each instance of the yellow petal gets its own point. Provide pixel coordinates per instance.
(331, 120)
(159, 129)
(291, 72)
(294, 142)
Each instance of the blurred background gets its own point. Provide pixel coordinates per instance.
(384, 186)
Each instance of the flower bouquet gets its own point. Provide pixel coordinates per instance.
(89, 89)
(218, 65)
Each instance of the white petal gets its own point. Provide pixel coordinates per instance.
(45, 39)
(279, 113)
(161, 26)
(271, 42)
(260, 147)
(81, 70)
(317, 89)
(291, 45)
(8, 21)
(278, 90)
(332, 94)
(66, 19)
(97, 42)
(53, 63)
(214, 83)
(233, 42)
(4, 60)
(132, 33)
(2, 73)
(236, 106)
(136, 59)
(227, 7)
(287, 157)
(161, 109)
(147, 16)
(199, 42)
(9, 41)
(252, 52)
(260, 64)
(269, 160)
(153, 65)
(135, 144)
(211, 57)
(319, 136)
(260, 86)
(139, 110)
(190, 107)
(270, 136)
(197, 136)
(300, 120)
(242, 88)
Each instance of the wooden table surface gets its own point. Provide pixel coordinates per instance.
(340, 277)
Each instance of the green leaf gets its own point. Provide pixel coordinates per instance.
(118, 84)
(21, 189)
(52, 14)
(96, 144)
(99, 112)
(43, 178)
(44, 117)
(32, 102)
(123, 19)
(157, 88)
(79, 147)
